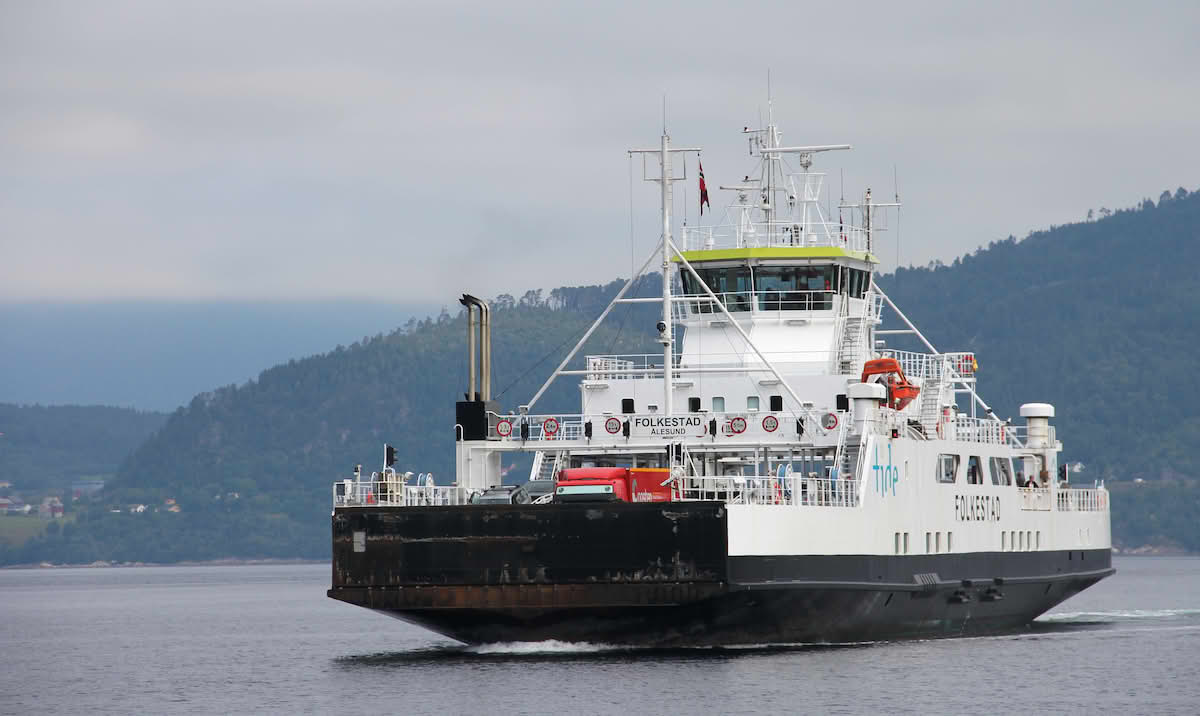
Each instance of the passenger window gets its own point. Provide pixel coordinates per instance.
(1001, 471)
(718, 404)
(751, 402)
(947, 468)
(974, 471)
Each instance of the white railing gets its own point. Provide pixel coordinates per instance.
(829, 234)
(393, 493)
(1088, 499)
(756, 427)
(623, 367)
(981, 430)
(760, 301)
(557, 426)
(788, 490)
(1035, 498)
(936, 366)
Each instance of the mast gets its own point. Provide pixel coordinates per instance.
(667, 336)
(666, 330)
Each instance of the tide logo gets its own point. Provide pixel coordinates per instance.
(886, 476)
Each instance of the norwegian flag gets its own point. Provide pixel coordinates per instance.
(703, 189)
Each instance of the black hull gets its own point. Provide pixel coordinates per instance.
(664, 579)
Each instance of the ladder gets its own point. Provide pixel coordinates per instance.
(546, 464)
(852, 331)
(931, 395)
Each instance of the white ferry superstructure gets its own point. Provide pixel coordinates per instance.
(799, 481)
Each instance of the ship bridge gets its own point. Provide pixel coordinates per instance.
(795, 303)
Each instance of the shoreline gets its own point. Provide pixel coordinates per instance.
(1144, 551)
(229, 562)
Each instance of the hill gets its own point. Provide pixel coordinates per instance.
(1097, 318)
(250, 467)
(46, 447)
(1094, 317)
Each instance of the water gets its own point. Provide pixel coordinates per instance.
(265, 639)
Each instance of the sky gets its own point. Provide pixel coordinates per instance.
(410, 151)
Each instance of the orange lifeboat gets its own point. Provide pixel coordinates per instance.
(900, 392)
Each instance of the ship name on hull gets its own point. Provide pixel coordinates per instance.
(977, 508)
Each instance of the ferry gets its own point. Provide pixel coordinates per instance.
(777, 474)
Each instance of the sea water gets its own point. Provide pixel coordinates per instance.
(266, 639)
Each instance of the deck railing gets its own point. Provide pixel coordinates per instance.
(788, 490)
(981, 430)
(1035, 498)
(1088, 499)
(392, 493)
(735, 490)
(776, 234)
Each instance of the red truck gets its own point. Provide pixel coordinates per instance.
(612, 484)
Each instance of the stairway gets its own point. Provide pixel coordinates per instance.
(931, 410)
(545, 465)
(849, 360)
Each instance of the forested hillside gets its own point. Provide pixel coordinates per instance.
(1095, 317)
(49, 447)
(250, 467)
(1098, 318)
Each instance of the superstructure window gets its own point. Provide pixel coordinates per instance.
(751, 403)
(694, 405)
(733, 286)
(947, 468)
(1001, 470)
(718, 404)
(776, 403)
(627, 405)
(974, 471)
(795, 288)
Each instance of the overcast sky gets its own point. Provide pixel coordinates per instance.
(411, 151)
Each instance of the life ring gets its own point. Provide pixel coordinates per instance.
(967, 364)
(549, 428)
(504, 428)
(829, 421)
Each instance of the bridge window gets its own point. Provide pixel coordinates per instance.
(974, 471)
(795, 288)
(733, 286)
(947, 468)
(1001, 470)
